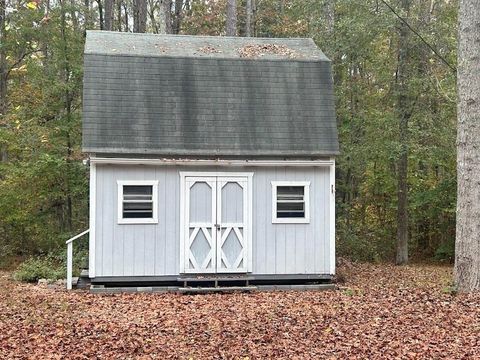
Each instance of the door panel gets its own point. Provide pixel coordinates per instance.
(216, 226)
(201, 202)
(231, 215)
(232, 203)
(200, 220)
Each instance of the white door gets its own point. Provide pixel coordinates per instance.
(200, 219)
(231, 224)
(216, 224)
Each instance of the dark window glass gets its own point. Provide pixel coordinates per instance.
(290, 202)
(137, 201)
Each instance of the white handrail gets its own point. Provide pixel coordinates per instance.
(69, 243)
(76, 237)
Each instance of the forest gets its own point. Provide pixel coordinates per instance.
(406, 79)
(394, 68)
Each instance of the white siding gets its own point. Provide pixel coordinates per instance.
(153, 249)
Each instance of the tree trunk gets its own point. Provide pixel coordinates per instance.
(139, 16)
(3, 61)
(125, 17)
(44, 42)
(329, 11)
(151, 9)
(177, 20)
(254, 18)
(109, 15)
(248, 21)
(467, 244)
(165, 17)
(403, 113)
(86, 16)
(73, 15)
(119, 14)
(3, 75)
(100, 14)
(68, 111)
(231, 17)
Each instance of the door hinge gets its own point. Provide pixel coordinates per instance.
(333, 189)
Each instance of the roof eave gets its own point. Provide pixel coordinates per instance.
(211, 154)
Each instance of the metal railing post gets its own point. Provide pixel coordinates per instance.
(69, 265)
(69, 243)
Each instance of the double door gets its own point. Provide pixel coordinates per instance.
(216, 224)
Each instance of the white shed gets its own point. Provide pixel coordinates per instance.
(210, 158)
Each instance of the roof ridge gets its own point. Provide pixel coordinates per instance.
(198, 36)
(217, 47)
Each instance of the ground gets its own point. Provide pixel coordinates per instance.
(380, 311)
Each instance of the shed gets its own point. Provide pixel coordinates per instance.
(209, 156)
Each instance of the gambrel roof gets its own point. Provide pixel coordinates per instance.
(173, 95)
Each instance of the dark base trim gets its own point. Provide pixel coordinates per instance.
(101, 289)
(212, 280)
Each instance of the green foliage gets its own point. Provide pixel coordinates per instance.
(445, 252)
(44, 186)
(52, 265)
(37, 268)
(358, 248)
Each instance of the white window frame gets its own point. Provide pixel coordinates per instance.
(306, 199)
(154, 218)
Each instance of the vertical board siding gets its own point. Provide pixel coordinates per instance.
(201, 203)
(232, 203)
(154, 249)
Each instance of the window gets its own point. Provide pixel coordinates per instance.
(290, 202)
(137, 202)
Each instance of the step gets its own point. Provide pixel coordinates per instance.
(100, 289)
(296, 287)
(204, 290)
(215, 278)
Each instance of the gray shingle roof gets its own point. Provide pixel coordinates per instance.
(173, 95)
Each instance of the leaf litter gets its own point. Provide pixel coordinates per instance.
(258, 50)
(379, 312)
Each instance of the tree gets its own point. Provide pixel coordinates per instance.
(166, 16)
(248, 21)
(100, 15)
(139, 16)
(231, 18)
(41, 130)
(3, 61)
(177, 20)
(467, 247)
(108, 15)
(118, 4)
(87, 16)
(3, 74)
(329, 16)
(403, 113)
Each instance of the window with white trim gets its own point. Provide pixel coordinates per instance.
(137, 202)
(291, 202)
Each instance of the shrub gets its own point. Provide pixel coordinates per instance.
(39, 268)
(446, 252)
(6, 256)
(52, 266)
(357, 248)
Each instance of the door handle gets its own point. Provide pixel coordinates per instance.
(217, 226)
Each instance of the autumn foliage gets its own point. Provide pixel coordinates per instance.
(380, 312)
